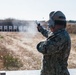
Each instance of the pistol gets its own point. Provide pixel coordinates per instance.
(38, 24)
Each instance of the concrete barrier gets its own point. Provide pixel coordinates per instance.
(30, 72)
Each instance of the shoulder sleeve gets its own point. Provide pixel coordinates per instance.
(52, 45)
(41, 47)
(55, 44)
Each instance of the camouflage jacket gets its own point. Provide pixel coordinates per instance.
(55, 50)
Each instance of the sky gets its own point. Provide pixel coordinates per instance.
(36, 9)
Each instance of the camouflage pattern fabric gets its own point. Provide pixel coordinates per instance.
(55, 50)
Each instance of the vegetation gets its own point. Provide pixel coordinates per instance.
(1, 37)
(10, 61)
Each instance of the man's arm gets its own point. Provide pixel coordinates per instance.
(42, 30)
(51, 46)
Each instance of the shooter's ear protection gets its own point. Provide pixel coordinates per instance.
(51, 21)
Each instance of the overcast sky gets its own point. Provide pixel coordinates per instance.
(36, 9)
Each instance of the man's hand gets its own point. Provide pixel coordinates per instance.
(39, 27)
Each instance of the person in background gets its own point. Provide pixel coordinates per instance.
(56, 47)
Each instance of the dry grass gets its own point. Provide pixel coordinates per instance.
(72, 57)
(22, 46)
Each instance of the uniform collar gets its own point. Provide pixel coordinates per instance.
(59, 30)
(53, 34)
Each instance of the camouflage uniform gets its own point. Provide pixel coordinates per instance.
(55, 52)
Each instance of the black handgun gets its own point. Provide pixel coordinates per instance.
(38, 24)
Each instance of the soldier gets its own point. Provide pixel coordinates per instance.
(56, 48)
